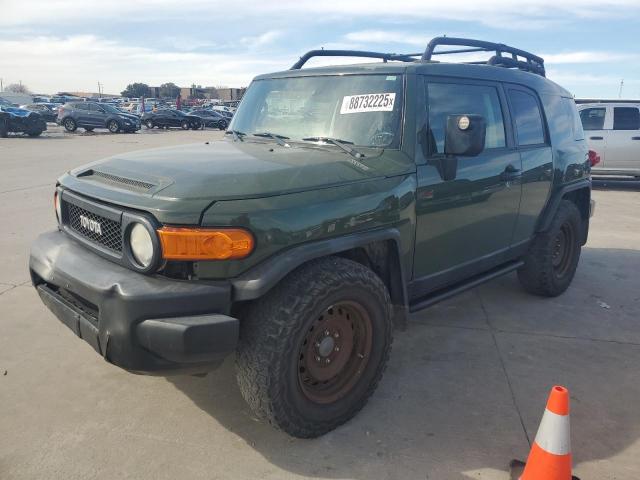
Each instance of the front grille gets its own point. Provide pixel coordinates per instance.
(109, 235)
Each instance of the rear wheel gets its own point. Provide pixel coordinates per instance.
(223, 125)
(313, 350)
(149, 123)
(185, 125)
(551, 262)
(113, 126)
(70, 124)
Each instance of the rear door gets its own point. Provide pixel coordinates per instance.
(596, 130)
(623, 144)
(82, 115)
(464, 224)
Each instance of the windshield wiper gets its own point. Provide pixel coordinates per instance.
(280, 139)
(237, 134)
(343, 144)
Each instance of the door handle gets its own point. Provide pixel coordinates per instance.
(510, 173)
(596, 138)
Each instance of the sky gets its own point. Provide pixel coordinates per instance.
(64, 45)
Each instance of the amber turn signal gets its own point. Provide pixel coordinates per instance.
(204, 243)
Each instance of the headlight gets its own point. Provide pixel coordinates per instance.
(56, 205)
(141, 245)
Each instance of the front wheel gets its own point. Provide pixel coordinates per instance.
(185, 125)
(149, 124)
(551, 262)
(313, 350)
(113, 126)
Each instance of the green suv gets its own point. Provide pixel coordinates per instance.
(340, 200)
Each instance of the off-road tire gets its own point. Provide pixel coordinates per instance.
(70, 125)
(272, 334)
(538, 275)
(113, 126)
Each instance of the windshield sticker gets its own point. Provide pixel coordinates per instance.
(368, 102)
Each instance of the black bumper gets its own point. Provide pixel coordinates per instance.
(144, 324)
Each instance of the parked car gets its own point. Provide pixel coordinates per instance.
(49, 111)
(167, 118)
(19, 120)
(211, 118)
(91, 115)
(612, 128)
(340, 200)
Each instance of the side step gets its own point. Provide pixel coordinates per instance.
(448, 292)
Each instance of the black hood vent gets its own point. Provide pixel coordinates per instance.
(131, 183)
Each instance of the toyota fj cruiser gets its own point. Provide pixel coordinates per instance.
(341, 199)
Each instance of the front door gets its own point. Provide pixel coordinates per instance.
(465, 220)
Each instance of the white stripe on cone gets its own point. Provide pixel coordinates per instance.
(554, 433)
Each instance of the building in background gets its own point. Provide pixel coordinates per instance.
(231, 94)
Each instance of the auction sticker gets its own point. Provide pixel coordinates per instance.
(368, 102)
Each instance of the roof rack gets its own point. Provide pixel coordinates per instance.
(401, 57)
(505, 56)
(531, 63)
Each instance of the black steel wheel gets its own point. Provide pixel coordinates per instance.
(313, 350)
(550, 264)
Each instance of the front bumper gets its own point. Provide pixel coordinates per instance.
(142, 323)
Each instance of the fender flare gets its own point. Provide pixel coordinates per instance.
(552, 206)
(260, 279)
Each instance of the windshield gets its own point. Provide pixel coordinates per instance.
(361, 109)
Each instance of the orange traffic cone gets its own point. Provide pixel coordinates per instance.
(550, 456)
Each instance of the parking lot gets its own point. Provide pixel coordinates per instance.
(463, 394)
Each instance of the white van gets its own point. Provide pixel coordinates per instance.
(612, 129)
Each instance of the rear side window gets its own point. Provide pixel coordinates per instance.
(593, 118)
(456, 99)
(81, 106)
(528, 118)
(626, 118)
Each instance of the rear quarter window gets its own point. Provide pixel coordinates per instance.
(528, 118)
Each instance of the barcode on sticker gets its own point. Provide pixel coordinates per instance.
(368, 102)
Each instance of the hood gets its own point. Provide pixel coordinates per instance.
(226, 169)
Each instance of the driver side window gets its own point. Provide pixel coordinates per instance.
(446, 99)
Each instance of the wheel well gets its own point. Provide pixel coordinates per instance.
(382, 257)
(582, 199)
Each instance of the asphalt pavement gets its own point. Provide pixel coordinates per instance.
(463, 394)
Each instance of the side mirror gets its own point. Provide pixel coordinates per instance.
(465, 135)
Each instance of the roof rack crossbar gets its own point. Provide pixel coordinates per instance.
(531, 63)
(401, 57)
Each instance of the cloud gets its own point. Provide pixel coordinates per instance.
(531, 14)
(387, 36)
(115, 64)
(589, 57)
(261, 40)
